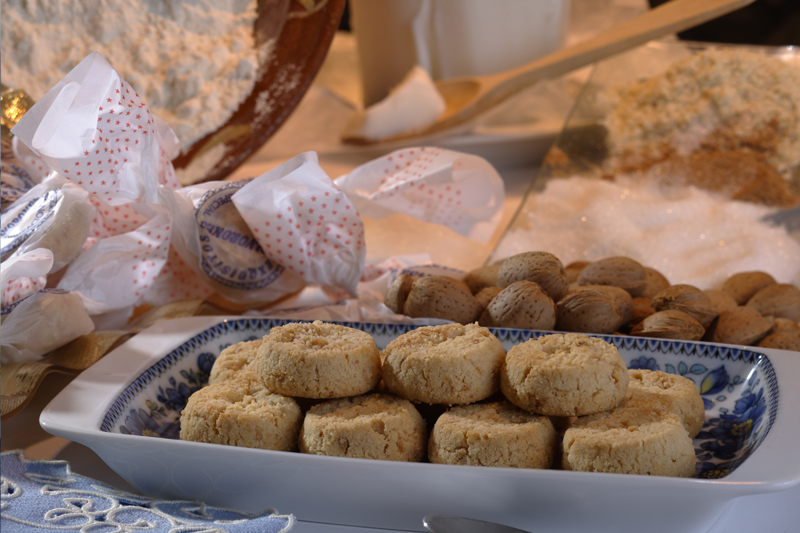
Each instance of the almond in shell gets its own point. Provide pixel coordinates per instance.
(487, 294)
(743, 285)
(441, 297)
(655, 282)
(642, 308)
(721, 300)
(588, 310)
(621, 297)
(574, 269)
(743, 325)
(397, 293)
(688, 299)
(785, 335)
(482, 277)
(523, 304)
(618, 271)
(670, 324)
(540, 267)
(778, 300)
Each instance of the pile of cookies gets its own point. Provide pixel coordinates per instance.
(326, 389)
(534, 290)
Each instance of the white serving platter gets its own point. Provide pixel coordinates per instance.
(126, 407)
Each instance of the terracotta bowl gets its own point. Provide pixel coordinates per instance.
(303, 31)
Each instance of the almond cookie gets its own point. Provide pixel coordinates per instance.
(240, 412)
(234, 361)
(375, 426)
(629, 440)
(670, 392)
(564, 375)
(318, 360)
(493, 434)
(446, 364)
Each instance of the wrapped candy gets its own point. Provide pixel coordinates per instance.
(94, 129)
(145, 240)
(215, 241)
(40, 323)
(312, 228)
(54, 215)
(36, 320)
(461, 191)
(122, 233)
(24, 274)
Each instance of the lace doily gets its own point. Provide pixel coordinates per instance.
(47, 495)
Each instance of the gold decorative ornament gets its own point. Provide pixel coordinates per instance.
(15, 103)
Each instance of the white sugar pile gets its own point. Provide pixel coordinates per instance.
(689, 235)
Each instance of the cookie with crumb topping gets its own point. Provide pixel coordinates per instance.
(445, 364)
(629, 440)
(564, 375)
(318, 360)
(372, 426)
(671, 392)
(241, 412)
(493, 434)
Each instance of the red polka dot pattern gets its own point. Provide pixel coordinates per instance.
(176, 281)
(314, 231)
(431, 184)
(15, 286)
(120, 157)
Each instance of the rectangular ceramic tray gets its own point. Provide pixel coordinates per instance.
(126, 409)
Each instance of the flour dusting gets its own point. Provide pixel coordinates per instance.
(192, 61)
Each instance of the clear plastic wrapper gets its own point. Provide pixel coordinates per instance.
(55, 215)
(24, 274)
(40, 323)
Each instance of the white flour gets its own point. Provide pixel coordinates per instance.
(689, 235)
(192, 61)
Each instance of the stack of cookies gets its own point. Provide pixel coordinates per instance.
(615, 420)
(326, 389)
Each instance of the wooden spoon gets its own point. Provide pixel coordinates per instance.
(468, 96)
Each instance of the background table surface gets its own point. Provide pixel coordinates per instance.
(775, 513)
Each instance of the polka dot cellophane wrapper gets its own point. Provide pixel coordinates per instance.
(460, 191)
(149, 241)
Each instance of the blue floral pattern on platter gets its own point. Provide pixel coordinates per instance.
(738, 386)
